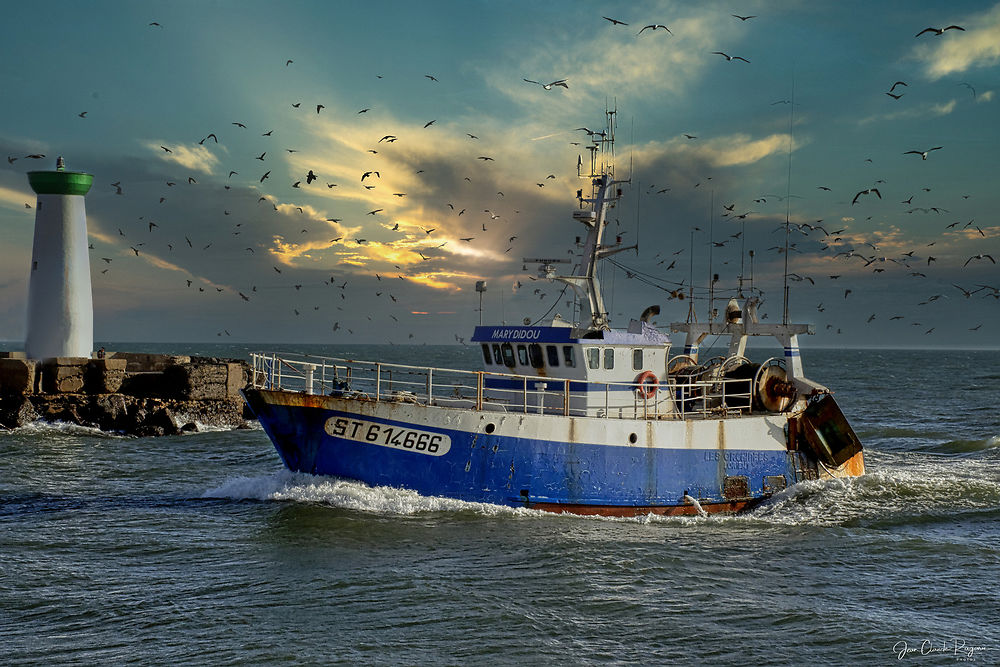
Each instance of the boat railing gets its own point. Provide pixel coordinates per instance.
(672, 398)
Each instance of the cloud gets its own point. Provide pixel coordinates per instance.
(196, 156)
(596, 57)
(429, 178)
(727, 151)
(977, 233)
(925, 110)
(955, 52)
(15, 199)
(444, 280)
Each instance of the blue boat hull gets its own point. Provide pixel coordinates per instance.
(354, 440)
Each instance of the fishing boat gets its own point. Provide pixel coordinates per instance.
(570, 416)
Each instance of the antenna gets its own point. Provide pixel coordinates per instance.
(692, 315)
(711, 252)
(638, 203)
(743, 246)
(788, 201)
(631, 151)
(638, 197)
(481, 287)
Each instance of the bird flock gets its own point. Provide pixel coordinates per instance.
(346, 293)
(844, 250)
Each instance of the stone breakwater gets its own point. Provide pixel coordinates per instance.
(136, 394)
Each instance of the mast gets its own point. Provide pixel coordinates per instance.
(592, 214)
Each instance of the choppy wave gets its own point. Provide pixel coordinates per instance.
(59, 428)
(201, 427)
(895, 494)
(896, 432)
(966, 446)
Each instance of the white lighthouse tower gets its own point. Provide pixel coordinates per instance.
(60, 300)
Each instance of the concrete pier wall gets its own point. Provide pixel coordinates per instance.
(139, 394)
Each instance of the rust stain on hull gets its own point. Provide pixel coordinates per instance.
(854, 466)
(726, 507)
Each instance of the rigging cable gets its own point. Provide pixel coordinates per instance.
(554, 304)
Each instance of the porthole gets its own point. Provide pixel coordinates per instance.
(633, 438)
(490, 428)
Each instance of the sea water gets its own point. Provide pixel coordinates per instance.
(203, 549)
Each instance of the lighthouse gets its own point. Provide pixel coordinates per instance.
(60, 300)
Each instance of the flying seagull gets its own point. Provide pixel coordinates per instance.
(923, 154)
(742, 18)
(939, 31)
(989, 257)
(548, 86)
(614, 21)
(728, 57)
(654, 26)
(866, 192)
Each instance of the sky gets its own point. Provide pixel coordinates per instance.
(180, 109)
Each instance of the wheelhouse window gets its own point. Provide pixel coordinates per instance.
(552, 352)
(636, 360)
(609, 357)
(508, 354)
(497, 357)
(593, 357)
(568, 360)
(487, 357)
(522, 355)
(535, 355)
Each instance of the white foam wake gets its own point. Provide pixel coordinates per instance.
(299, 487)
(63, 428)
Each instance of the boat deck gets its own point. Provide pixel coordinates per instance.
(675, 397)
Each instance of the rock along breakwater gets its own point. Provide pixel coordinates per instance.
(132, 393)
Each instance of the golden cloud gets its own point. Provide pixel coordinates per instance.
(16, 199)
(195, 156)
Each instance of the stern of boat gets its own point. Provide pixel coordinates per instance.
(827, 435)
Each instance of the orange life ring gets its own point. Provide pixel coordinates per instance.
(646, 384)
